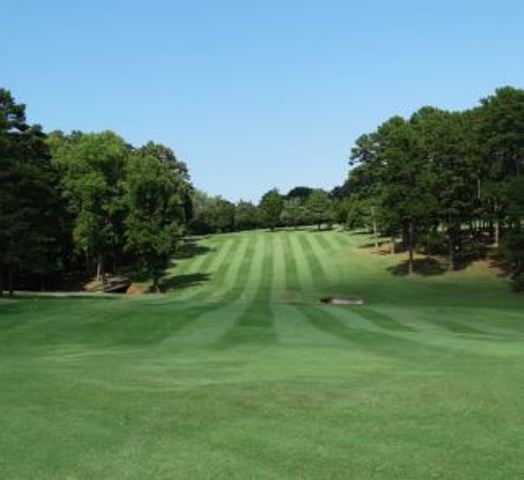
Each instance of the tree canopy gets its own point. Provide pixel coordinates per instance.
(428, 177)
(436, 182)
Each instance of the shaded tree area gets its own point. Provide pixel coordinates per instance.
(302, 206)
(443, 182)
(439, 182)
(30, 227)
(211, 214)
(271, 206)
(84, 202)
(154, 224)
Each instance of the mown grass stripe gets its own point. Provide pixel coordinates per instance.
(240, 283)
(298, 315)
(454, 326)
(198, 263)
(236, 272)
(279, 269)
(338, 255)
(324, 253)
(191, 251)
(292, 277)
(256, 323)
(380, 342)
(202, 318)
(183, 316)
(344, 239)
(315, 265)
(210, 266)
(216, 247)
(305, 277)
(321, 239)
(386, 322)
(485, 320)
(326, 323)
(221, 278)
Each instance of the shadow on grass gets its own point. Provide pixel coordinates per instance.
(178, 282)
(190, 248)
(380, 243)
(422, 266)
(359, 231)
(500, 264)
(305, 228)
(324, 229)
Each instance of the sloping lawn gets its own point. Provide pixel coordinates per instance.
(240, 372)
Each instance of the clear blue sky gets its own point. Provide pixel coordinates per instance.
(254, 94)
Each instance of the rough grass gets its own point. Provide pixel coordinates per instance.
(240, 373)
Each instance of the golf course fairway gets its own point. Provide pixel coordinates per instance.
(239, 372)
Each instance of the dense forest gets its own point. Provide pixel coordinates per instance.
(82, 205)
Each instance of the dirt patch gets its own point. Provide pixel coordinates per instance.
(489, 266)
(136, 289)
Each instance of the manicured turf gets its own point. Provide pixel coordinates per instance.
(240, 373)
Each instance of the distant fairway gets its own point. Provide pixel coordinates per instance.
(240, 373)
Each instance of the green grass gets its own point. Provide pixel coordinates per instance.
(240, 373)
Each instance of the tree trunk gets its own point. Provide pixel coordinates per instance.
(392, 246)
(405, 242)
(156, 284)
(451, 252)
(411, 234)
(1, 282)
(88, 269)
(10, 280)
(496, 233)
(374, 222)
(100, 269)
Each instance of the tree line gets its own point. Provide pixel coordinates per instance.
(299, 207)
(444, 182)
(82, 205)
(438, 182)
(84, 202)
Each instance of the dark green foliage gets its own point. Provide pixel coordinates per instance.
(155, 218)
(29, 203)
(271, 206)
(92, 169)
(70, 201)
(223, 215)
(294, 213)
(436, 181)
(517, 283)
(439, 172)
(302, 193)
(247, 216)
(167, 157)
(320, 207)
(211, 214)
(502, 129)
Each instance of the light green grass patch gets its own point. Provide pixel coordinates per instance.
(246, 375)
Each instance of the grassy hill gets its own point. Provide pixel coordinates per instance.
(239, 372)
